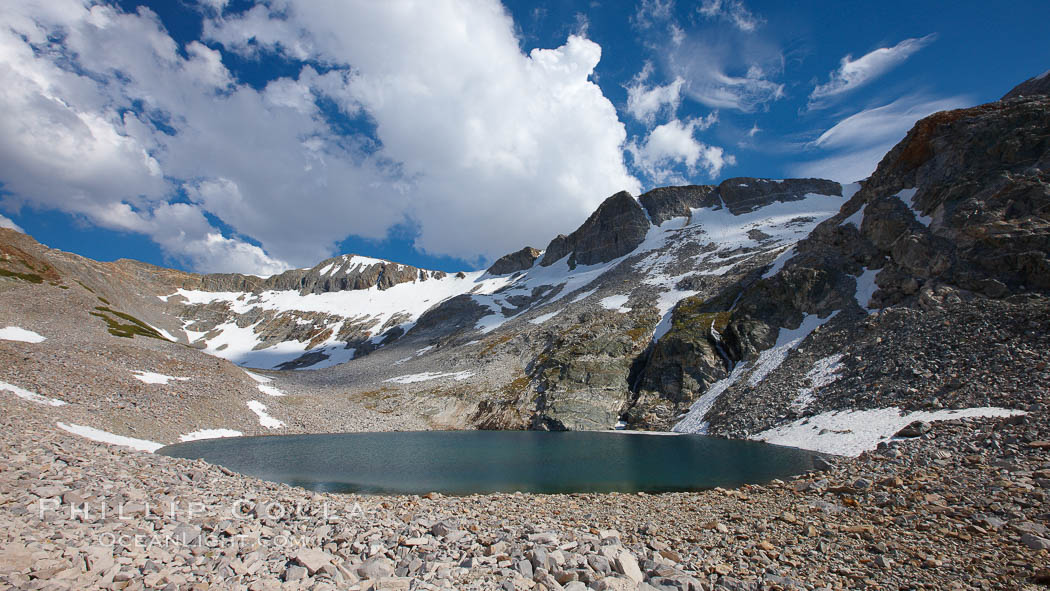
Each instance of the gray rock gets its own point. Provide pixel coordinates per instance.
(616, 228)
(616, 583)
(294, 573)
(664, 203)
(376, 567)
(599, 563)
(525, 568)
(744, 194)
(515, 261)
(313, 559)
(627, 565)
(914, 429)
(1035, 542)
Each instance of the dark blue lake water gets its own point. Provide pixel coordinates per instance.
(465, 462)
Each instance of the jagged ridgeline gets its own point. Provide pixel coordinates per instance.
(733, 309)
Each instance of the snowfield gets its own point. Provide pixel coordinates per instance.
(14, 333)
(427, 376)
(209, 434)
(110, 438)
(30, 396)
(150, 377)
(853, 432)
(264, 418)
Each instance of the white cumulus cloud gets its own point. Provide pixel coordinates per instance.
(644, 102)
(854, 73)
(480, 146)
(673, 145)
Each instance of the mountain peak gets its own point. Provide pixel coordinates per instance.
(616, 228)
(1032, 87)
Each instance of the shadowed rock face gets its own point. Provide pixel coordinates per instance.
(515, 261)
(665, 203)
(1040, 85)
(616, 228)
(744, 194)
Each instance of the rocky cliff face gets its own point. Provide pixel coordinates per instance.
(616, 228)
(956, 215)
(342, 273)
(664, 203)
(515, 261)
(745, 194)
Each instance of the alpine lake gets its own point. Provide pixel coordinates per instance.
(479, 462)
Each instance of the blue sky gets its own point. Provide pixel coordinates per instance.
(224, 135)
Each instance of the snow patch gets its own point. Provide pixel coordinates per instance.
(787, 339)
(779, 262)
(259, 378)
(270, 390)
(694, 420)
(150, 377)
(430, 375)
(584, 295)
(264, 419)
(825, 371)
(31, 396)
(849, 190)
(852, 432)
(209, 434)
(110, 438)
(14, 333)
(908, 197)
(545, 317)
(615, 302)
(857, 218)
(866, 288)
(263, 381)
(163, 333)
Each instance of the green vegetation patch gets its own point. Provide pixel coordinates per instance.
(84, 286)
(128, 331)
(689, 317)
(30, 277)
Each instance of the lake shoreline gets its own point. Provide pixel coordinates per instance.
(912, 513)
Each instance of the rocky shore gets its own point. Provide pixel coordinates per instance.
(961, 506)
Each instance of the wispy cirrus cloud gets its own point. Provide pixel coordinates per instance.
(721, 67)
(852, 148)
(854, 73)
(652, 12)
(733, 11)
